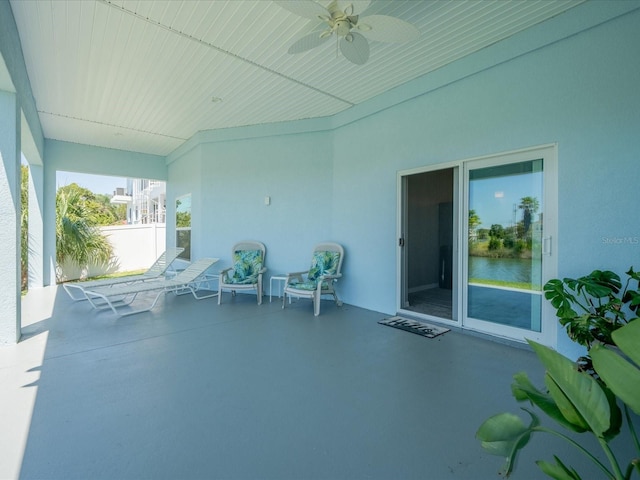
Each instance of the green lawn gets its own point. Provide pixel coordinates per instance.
(116, 275)
(501, 283)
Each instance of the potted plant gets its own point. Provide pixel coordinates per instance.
(593, 306)
(580, 400)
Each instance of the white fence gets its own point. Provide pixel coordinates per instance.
(135, 247)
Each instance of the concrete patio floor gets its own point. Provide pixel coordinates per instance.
(193, 390)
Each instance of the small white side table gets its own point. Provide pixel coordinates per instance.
(281, 278)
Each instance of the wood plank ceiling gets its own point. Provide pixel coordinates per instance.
(146, 75)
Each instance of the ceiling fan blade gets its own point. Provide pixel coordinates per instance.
(307, 42)
(383, 28)
(356, 49)
(359, 6)
(304, 8)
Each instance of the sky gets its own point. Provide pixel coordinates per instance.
(494, 199)
(96, 183)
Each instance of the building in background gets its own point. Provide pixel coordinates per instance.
(145, 200)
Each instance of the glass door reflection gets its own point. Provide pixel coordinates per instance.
(505, 232)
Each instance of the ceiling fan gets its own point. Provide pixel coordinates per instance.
(353, 33)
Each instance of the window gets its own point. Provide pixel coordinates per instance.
(183, 226)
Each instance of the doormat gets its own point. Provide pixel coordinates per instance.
(413, 326)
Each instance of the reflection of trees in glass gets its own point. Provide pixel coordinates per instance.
(496, 234)
(183, 219)
(183, 239)
(496, 231)
(474, 222)
(529, 207)
(506, 241)
(183, 226)
(183, 214)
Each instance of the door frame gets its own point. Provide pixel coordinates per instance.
(549, 152)
(402, 221)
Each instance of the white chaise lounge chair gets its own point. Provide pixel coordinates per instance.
(118, 296)
(157, 270)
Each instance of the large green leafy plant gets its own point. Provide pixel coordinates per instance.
(578, 402)
(584, 401)
(592, 307)
(78, 238)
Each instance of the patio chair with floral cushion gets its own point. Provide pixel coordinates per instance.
(246, 273)
(320, 279)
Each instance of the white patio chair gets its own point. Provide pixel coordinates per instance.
(319, 280)
(118, 296)
(159, 268)
(246, 273)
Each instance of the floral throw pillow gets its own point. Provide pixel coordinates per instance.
(246, 266)
(323, 263)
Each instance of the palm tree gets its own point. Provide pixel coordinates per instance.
(529, 207)
(78, 239)
(474, 223)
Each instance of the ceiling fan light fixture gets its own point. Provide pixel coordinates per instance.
(343, 20)
(342, 27)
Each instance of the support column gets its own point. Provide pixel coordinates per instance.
(36, 226)
(49, 225)
(10, 322)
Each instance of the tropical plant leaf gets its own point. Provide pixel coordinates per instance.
(578, 327)
(501, 432)
(559, 470)
(621, 376)
(633, 298)
(599, 283)
(559, 298)
(615, 414)
(567, 408)
(505, 435)
(576, 392)
(627, 339)
(523, 390)
(78, 238)
(633, 274)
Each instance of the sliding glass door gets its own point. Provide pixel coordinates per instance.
(476, 244)
(508, 245)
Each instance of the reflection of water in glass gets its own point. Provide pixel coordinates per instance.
(505, 269)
